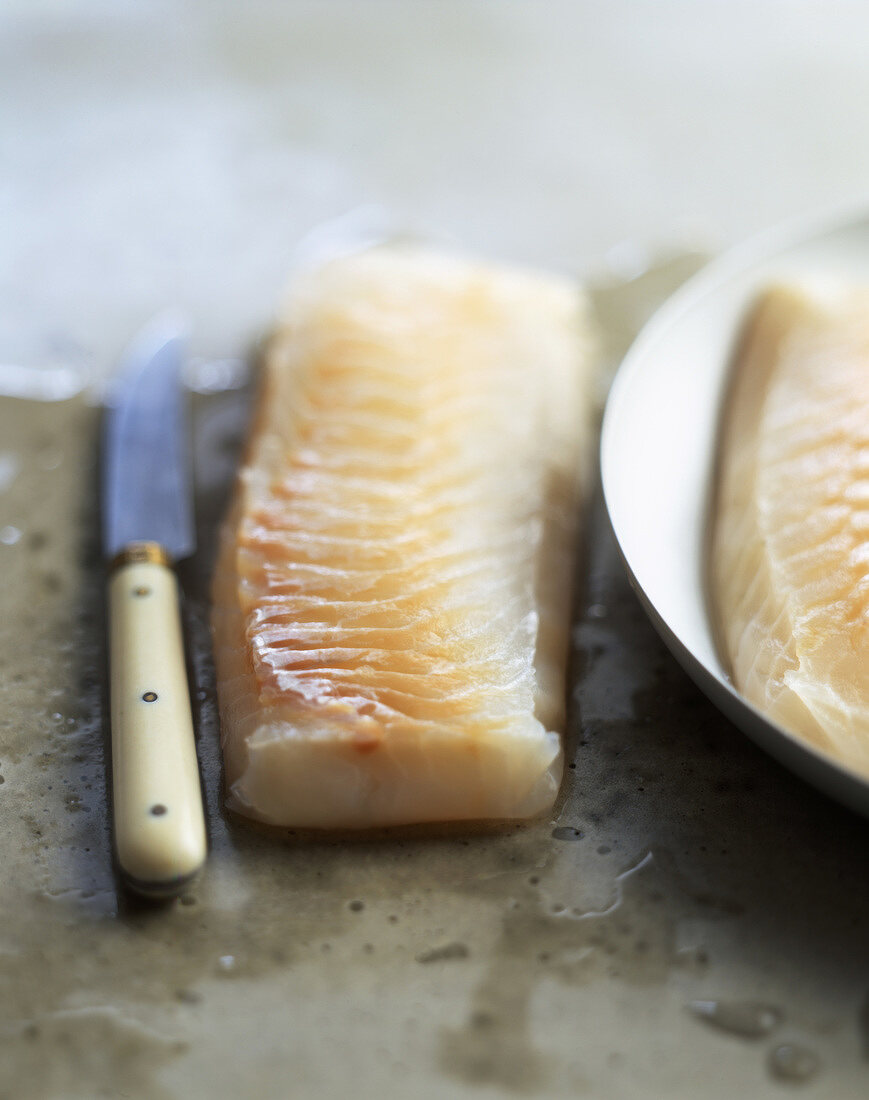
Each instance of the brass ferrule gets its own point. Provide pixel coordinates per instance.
(138, 552)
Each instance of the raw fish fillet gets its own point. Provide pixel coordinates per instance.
(790, 552)
(393, 592)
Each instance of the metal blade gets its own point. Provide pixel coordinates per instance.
(146, 459)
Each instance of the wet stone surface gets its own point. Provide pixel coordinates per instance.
(681, 868)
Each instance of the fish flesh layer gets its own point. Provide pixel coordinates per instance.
(392, 598)
(790, 544)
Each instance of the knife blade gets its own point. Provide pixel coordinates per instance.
(159, 824)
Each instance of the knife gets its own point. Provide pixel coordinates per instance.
(147, 527)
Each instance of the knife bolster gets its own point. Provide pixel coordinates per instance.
(137, 552)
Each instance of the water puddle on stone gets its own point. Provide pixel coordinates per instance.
(448, 937)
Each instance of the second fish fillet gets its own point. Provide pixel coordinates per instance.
(790, 553)
(392, 598)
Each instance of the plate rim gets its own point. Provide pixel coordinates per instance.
(810, 762)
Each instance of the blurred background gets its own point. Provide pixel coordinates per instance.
(176, 152)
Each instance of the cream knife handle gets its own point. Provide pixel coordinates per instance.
(159, 820)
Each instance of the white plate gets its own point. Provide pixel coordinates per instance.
(657, 448)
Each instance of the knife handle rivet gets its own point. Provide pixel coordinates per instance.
(158, 810)
(142, 590)
(150, 696)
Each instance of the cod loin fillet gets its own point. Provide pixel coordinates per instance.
(790, 550)
(392, 597)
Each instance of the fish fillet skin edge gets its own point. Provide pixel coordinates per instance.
(790, 537)
(392, 596)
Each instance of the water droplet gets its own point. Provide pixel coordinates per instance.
(215, 376)
(442, 954)
(188, 996)
(748, 1019)
(692, 958)
(226, 962)
(10, 464)
(793, 1063)
(567, 832)
(9, 535)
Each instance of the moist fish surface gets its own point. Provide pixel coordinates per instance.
(790, 540)
(391, 602)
